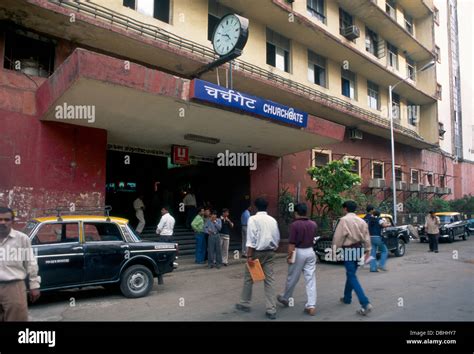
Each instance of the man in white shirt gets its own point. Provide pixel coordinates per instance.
(18, 268)
(166, 226)
(263, 238)
(139, 207)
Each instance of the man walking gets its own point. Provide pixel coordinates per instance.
(15, 271)
(190, 206)
(352, 234)
(263, 238)
(213, 227)
(227, 224)
(244, 218)
(166, 226)
(376, 224)
(198, 227)
(301, 240)
(432, 230)
(139, 208)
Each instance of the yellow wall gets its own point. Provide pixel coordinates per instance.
(189, 20)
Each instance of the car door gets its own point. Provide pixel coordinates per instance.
(105, 251)
(459, 225)
(59, 253)
(390, 239)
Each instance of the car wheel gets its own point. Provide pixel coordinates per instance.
(466, 235)
(137, 281)
(451, 237)
(400, 251)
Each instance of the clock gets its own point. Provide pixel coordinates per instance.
(230, 34)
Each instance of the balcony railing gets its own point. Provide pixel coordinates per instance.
(172, 40)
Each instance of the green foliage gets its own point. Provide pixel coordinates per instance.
(438, 204)
(331, 180)
(416, 205)
(285, 200)
(360, 198)
(463, 205)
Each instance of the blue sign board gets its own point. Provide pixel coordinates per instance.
(209, 92)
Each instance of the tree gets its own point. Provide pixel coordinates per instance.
(331, 180)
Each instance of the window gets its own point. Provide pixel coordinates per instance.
(390, 8)
(317, 69)
(415, 176)
(395, 106)
(101, 231)
(429, 178)
(412, 113)
(278, 51)
(392, 56)
(356, 164)
(378, 170)
(436, 16)
(411, 70)
(348, 84)
(438, 91)
(409, 23)
(442, 181)
(345, 20)
(438, 54)
(398, 174)
(57, 233)
(34, 53)
(373, 95)
(215, 12)
(159, 9)
(316, 9)
(371, 41)
(321, 158)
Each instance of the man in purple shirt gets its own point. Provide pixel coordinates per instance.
(302, 234)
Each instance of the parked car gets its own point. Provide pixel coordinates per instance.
(470, 226)
(83, 250)
(452, 226)
(395, 237)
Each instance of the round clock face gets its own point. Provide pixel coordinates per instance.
(226, 35)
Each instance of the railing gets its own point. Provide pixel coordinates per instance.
(172, 40)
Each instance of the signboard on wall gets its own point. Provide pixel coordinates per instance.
(179, 155)
(209, 92)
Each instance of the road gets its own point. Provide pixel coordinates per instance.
(420, 286)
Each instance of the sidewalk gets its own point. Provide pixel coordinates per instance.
(187, 262)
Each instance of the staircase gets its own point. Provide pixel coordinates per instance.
(185, 239)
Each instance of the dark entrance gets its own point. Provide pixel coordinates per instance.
(222, 187)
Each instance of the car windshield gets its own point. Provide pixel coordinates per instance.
(29, 227)
(446, 219)
(133, 234)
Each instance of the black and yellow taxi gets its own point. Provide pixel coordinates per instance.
(452, 225)
(75, 251)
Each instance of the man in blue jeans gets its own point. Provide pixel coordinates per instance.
(352, 235)
(376, 224)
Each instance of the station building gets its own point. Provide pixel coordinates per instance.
(95, 96)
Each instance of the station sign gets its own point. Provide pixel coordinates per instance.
(179, 155)
(218, 95)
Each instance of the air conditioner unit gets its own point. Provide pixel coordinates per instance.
(448, 190)
(355, 134)
(415, 187)
(400, 186)
(439, 190)
(430, 189)
(377, 183)
(351, 32)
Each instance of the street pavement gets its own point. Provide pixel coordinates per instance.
(421, 286)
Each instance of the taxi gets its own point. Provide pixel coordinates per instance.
(452, 225)
(75, 251)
